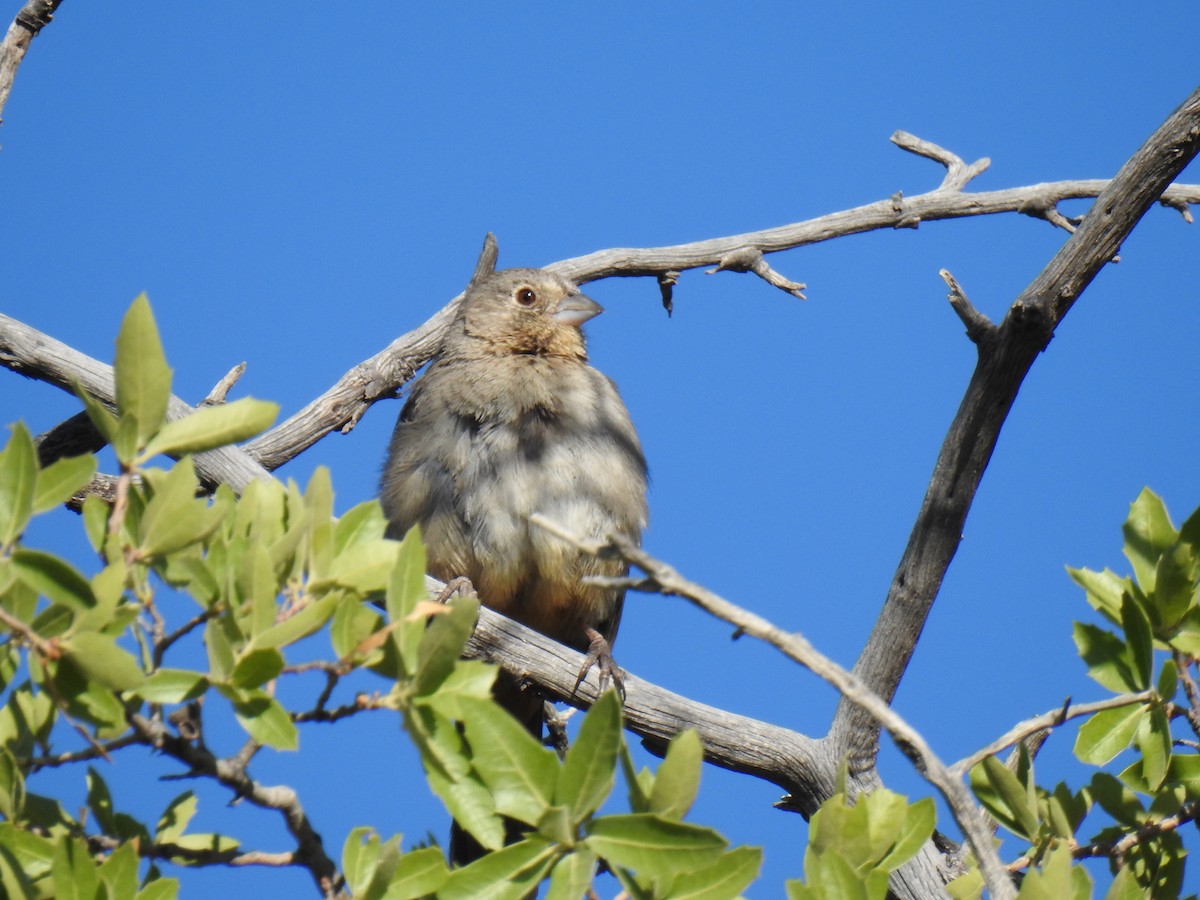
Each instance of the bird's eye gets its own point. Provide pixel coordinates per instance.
(526, 296)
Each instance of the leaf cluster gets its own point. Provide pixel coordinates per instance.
(91, 661)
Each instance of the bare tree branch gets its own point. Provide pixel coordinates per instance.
(662, 578)
(310, 850)
(1004, 358)
(382, 375)
(33, 17)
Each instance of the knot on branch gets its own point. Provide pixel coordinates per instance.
(751, 259)
(666, 285)
(36, 15)
(1179, 205)
(1047, 210)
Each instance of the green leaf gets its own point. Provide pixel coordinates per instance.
(678, 778)
(1148, 534)
(831, 876)
(448, 769)
(555, 824)
(1153, 739)
(53, 578)
(257, 667)
(360, 524)
(915, 830)
(507, 874)
(1175, 585)
(1125, 886)
(73, 871)
(32, 854)
(61, 480)
(318, 499)
(1107, 733)
(723, 879)
(1139, 640)
(142, 375)
(651, 845)
(172, 686)
(99, 801)
(419, 873)
(174, 518)
(639, 784)
(360, 858)
(89, 700)
(1005, 797)
(100, 659)
(442, 644)
(470, 680)
(267, 721)
(362, 567)
(213, 843)
(220, 647)
(1116, 799)
(1104, 590)
(125, 440)
(1107, 657)
(352, 624)
(12, 786)
(406, 587)
(258, 589)
(372, 862)
(308, 620)
(175, 818)
(968, 886)
(572, 875)
(589, 771)
(1056, 878)
(1168, 681)
(18, 481)
(120, 872)
(516, 768)
(1185, 636)
(95, 521)
(209, 427)
(160, 889)
(101, 416)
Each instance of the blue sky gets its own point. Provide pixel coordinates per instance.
(297, 187)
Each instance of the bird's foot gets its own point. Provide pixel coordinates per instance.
(459, 586)
(599, 654)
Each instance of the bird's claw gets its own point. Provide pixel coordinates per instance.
(599, 654)
(458, 586)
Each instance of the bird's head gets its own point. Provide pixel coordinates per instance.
(524, 311)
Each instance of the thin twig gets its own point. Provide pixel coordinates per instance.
(44, 648)
(221, 389)
(1047, 720)
(231, 773)
(100, 751)
(1192, 711)
(958, 172)
(161, 647)
(194, 856)
(751, 259)
(664, 579)
(979, 326)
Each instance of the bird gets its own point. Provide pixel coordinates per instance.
(510, 420)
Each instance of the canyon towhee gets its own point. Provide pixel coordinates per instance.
(510, 420)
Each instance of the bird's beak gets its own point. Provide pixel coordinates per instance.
(575, 309)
